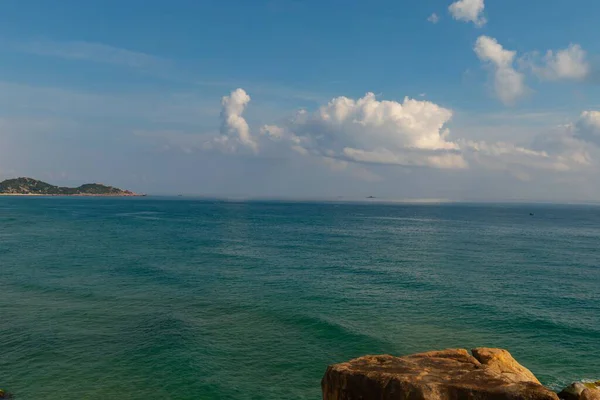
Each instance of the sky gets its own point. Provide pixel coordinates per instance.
(468, 100)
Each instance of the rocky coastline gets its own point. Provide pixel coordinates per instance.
(453, 374)
(34, 187)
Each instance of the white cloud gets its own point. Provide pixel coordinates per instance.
(568, 64)
(433, 18)
(234, 130)
(354, 136)
(273, 131)
(371, 132)
(419, 159)
(567, 151)
(509, 84)
(366, 130)
(502, 156)
(587, 127)
(555, 150)
(468, 11)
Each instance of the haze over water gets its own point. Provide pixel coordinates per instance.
(185, 299)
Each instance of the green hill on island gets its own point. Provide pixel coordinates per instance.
(29, 186)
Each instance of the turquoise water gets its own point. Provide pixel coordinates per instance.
(183, 299)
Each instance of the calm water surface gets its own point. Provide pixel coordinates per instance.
(183, 299)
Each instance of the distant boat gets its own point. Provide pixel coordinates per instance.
(532, 214)
(371, 197)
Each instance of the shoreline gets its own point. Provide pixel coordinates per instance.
(24, 186)
(68, 195)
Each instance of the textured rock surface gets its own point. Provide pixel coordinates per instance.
(590, 394)
(502, 362)
(581, 391)
(438, 375)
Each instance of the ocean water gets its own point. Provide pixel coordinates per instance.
(186, 299)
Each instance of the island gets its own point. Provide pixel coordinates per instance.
(34, 187)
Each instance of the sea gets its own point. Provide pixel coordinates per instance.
(183, 298)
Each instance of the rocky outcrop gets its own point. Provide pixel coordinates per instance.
(439, 375)
(581, 391)
(502, 362)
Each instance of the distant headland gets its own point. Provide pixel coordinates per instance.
(34, 187)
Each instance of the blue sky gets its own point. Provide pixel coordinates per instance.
(488, 100)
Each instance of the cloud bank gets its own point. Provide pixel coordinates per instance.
(357, 135)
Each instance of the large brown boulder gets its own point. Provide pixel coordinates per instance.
(438, 375)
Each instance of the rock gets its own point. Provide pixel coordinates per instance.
(5, 395)
(439, 375)
(573, 391)
(581, 391)
(590, 394)
(500, 361)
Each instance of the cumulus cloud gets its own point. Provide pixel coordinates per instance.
(366, 130)
(355, 135)
(235, 131)
(567, 64)
(413, 133)
(509, 84)
(468, 11)
(433, 18)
